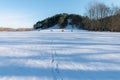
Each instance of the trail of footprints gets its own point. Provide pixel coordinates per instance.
(55, 70)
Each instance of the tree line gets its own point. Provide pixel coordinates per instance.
(103, 17)
(15, 30)
(99, 17)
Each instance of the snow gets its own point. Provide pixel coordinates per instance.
(56, 28)
(57, 55)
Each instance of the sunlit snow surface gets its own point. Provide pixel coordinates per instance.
(56, 55)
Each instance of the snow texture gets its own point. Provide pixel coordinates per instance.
(57, 55)
(56, 28)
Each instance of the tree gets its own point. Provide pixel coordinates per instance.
(97, 12)
(62, 20)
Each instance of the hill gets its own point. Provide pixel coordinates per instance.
(62, 20)
(109, 23)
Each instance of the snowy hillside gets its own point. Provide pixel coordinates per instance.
(47, 55)
(56, 28)
(67, 27)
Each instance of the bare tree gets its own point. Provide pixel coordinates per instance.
(97, 12)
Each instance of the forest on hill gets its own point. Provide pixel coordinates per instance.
(61, 20)
(99, 17)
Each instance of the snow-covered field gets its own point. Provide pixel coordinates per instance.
(56, 55)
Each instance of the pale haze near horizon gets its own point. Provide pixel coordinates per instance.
(25, 13)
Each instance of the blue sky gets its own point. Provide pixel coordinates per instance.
(25, 13)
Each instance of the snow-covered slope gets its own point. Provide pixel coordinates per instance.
(56, 28)
(59, 55)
